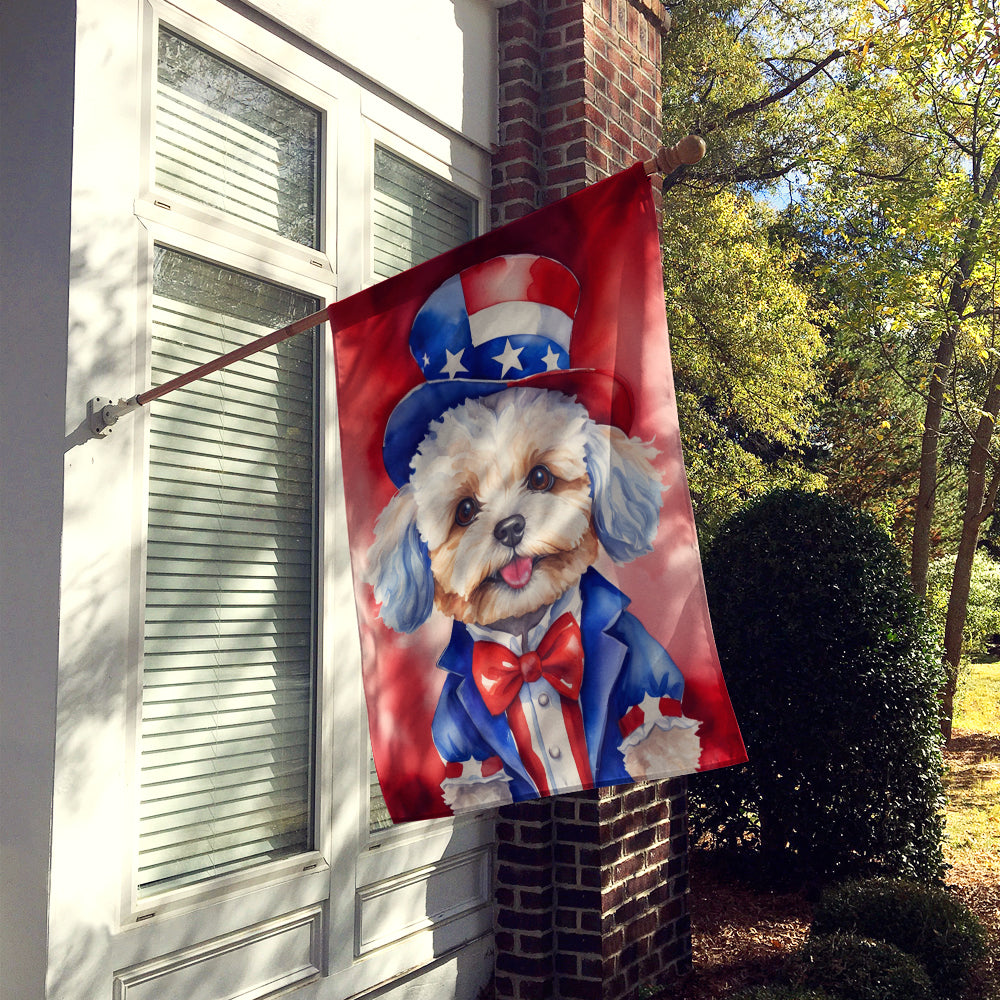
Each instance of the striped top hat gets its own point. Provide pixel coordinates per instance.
(505, 322)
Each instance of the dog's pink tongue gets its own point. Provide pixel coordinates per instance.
(517, 572)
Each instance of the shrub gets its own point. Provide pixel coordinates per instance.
(782, 993)
(856, 968)
(833, 672)
(925, 922)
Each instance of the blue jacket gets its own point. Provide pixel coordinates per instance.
(622, 664)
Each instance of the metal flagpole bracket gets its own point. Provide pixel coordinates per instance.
(103, 413)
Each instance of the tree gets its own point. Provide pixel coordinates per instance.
(747, 357)
(867, 428)
(746, 349)
(878, 122)
(912, 189)
(746, 75)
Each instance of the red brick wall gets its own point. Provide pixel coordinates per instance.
(579, 96)
(591, 893)
(591, 889)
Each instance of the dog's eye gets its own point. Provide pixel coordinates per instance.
(540, 479)
(466, 511)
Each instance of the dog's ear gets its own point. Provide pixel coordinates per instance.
(627, 493)
(399, 566)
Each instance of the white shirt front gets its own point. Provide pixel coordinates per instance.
(540, 701)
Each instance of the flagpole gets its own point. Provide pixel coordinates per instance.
(103, 413)
(687, 152)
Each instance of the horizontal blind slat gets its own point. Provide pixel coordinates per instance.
(243, 845)
(161, 810)
(415, 216)
(170, 763)
(228, 646)
(184, 784)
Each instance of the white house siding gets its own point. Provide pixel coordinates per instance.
(36, 117)
(406, 915)
(430, 54)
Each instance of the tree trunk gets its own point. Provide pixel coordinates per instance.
(980, 499)
(958, 299)
(920, 553)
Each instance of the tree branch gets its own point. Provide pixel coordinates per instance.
(754, 106)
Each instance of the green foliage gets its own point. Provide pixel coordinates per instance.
(902, 209)
(745, 343)
(857, 968)
(746, 354)
(983, 614)
(877, 127)
(926, 922)
(780, 992)
(738, 73)
(833, 673)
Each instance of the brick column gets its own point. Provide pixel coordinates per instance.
(579, 96)
(524, 901)
(591, 889)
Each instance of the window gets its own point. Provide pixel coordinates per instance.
(229, 646)
(211, 835)
(228, 649)
(227, 140)
(416, 216)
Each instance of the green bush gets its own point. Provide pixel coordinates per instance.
(833, 672)
(983, 611)
(925, 922)
(856, 968)
(782, 993)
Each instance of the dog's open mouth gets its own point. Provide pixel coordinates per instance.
(517, 572)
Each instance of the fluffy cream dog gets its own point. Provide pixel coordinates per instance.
(511, 497)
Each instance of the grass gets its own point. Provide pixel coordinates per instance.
(973, 783)
(972, 848)
(978, 698)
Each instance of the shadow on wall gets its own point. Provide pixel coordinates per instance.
(90, 818)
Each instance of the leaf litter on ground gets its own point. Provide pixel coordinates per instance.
(742, 934)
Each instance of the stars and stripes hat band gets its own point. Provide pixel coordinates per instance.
(503, 322)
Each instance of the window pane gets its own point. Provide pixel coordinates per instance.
(416, 217)
(228, 658)
(228, 140)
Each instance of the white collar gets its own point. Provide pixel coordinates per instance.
(571, 600)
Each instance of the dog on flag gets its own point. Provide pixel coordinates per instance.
(509, 489)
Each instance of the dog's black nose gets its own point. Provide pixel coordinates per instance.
(510, 531)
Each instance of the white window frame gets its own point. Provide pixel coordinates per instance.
(351, 875)
(180, 224)
(137, 910)
(394, 858)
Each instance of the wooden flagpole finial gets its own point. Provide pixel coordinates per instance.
(668, 158)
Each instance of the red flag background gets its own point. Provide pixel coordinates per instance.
(607, 236)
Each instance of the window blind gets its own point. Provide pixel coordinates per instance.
(228, 140)
(228, 653)
(416, 216)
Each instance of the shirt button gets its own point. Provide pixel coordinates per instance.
(543, 699)
(555, 753)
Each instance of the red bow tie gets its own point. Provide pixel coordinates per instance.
(499, 673)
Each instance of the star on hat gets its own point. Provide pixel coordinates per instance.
(510, 315)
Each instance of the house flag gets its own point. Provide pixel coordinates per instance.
(526, 571)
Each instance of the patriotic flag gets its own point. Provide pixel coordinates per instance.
(525, 564)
